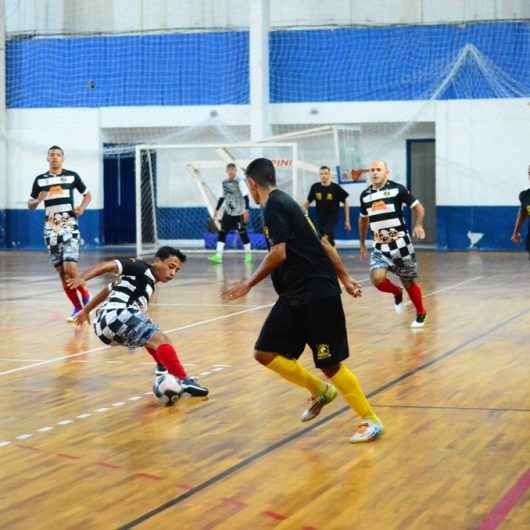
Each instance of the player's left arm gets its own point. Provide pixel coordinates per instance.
(352, 286)
(419, 215)
(87, 196)
(419, 211)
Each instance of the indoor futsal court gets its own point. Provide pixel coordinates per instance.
(86, 445)
(264, 264)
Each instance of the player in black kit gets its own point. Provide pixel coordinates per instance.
(524, 212)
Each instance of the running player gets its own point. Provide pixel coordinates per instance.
(61, 233)
(381, 209)
(305, 273)
(236, 213)
(122, 318)
(522, 214)
(328, 197)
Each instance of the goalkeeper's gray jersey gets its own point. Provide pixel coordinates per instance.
(233, 193)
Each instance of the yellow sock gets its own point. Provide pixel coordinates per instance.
(295, 373)
(350, 388)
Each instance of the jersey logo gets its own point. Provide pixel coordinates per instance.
(318, 196)
(329, 196)
(323, 351)
(55, 190)
(266, 232)
(379, 206)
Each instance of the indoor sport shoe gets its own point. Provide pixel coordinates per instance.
(419, 322)
(216, 258)
(248, 258)
(192, 388)
(398, 302)
(318, 403)
(160, 370)
(71, 318)
(366, 430)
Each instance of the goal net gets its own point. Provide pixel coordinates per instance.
(177, 188)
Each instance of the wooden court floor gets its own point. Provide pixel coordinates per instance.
(83, 444)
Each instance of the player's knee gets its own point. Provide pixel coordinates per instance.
(263, 357)
(330, 371)
(378, 276)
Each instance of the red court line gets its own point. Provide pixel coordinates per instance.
(505, 505)
(70, 457)
(110, 466)
(274, 515)
(148, 476)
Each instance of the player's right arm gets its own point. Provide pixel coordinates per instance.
(310, 198)
(36, 196)
(519, 220)
(364, 223)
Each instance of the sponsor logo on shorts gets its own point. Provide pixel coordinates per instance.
(323, 351)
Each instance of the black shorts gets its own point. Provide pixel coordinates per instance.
(327, 225)
(232, 222)
(321, 325)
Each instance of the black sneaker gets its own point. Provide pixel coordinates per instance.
(160, 369)
(398, 301)
(191, 387)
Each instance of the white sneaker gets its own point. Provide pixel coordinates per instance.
(366, 430)
(419, 322)
(398, 302)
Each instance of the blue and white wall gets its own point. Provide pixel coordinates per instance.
(79, 91)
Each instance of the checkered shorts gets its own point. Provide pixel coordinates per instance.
(63, 244)
(397, 257)
(129, 327)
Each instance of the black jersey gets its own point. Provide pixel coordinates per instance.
(327, 199)
(384, 206)
(60, 188)
(307, 274)
(134, 286)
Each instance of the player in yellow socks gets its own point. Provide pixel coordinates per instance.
(305, 273)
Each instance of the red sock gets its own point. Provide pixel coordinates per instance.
(168, 357)
(152, 353)
(386, 286)
(84, 291)
(72, 296)
(415, 295)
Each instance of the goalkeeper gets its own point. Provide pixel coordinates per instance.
(236, 213)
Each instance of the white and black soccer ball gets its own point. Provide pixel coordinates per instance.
(167, 389)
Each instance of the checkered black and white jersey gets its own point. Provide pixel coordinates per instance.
(134, 286)
(121, 319)
(60, 188)
(384, 209)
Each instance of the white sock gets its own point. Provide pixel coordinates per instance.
(246, 246)
(220, 247)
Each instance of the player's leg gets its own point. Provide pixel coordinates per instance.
(379, 266)
(71, 294)
(279, 345)
(160, 368)
(408, 274)
(165, 354)
(243, 234)
(221, 238)
(328, 230)
(528, 240)
(327, 336)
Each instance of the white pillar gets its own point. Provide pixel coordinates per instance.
(259, 69)
(4, 188)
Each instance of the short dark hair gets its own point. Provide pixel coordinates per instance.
(324, 167)
(56, 147)
(165, 252)
(228, 166)
(261, 171)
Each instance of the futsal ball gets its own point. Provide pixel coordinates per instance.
(167, 389)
